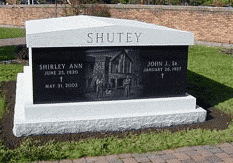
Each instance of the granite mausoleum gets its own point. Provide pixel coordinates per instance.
(95, 74)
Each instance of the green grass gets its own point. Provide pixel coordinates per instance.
(6, 33)
(6, 53)
(205, 61)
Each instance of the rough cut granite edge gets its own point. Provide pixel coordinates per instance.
(107, 125)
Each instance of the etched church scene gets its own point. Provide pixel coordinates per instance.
(110, 75)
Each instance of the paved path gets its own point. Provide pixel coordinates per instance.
(222, 153)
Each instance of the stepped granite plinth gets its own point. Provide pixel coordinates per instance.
(94, 74)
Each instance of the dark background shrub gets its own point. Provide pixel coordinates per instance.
(97, 10)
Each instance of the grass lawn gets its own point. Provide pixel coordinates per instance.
(210, 78)
(6, 53)
(6, 33)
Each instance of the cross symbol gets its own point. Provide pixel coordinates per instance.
(162, 75)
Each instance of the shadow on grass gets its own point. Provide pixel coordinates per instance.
(208, 92)
(14, 52)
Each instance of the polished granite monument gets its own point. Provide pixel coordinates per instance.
(95, 74)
